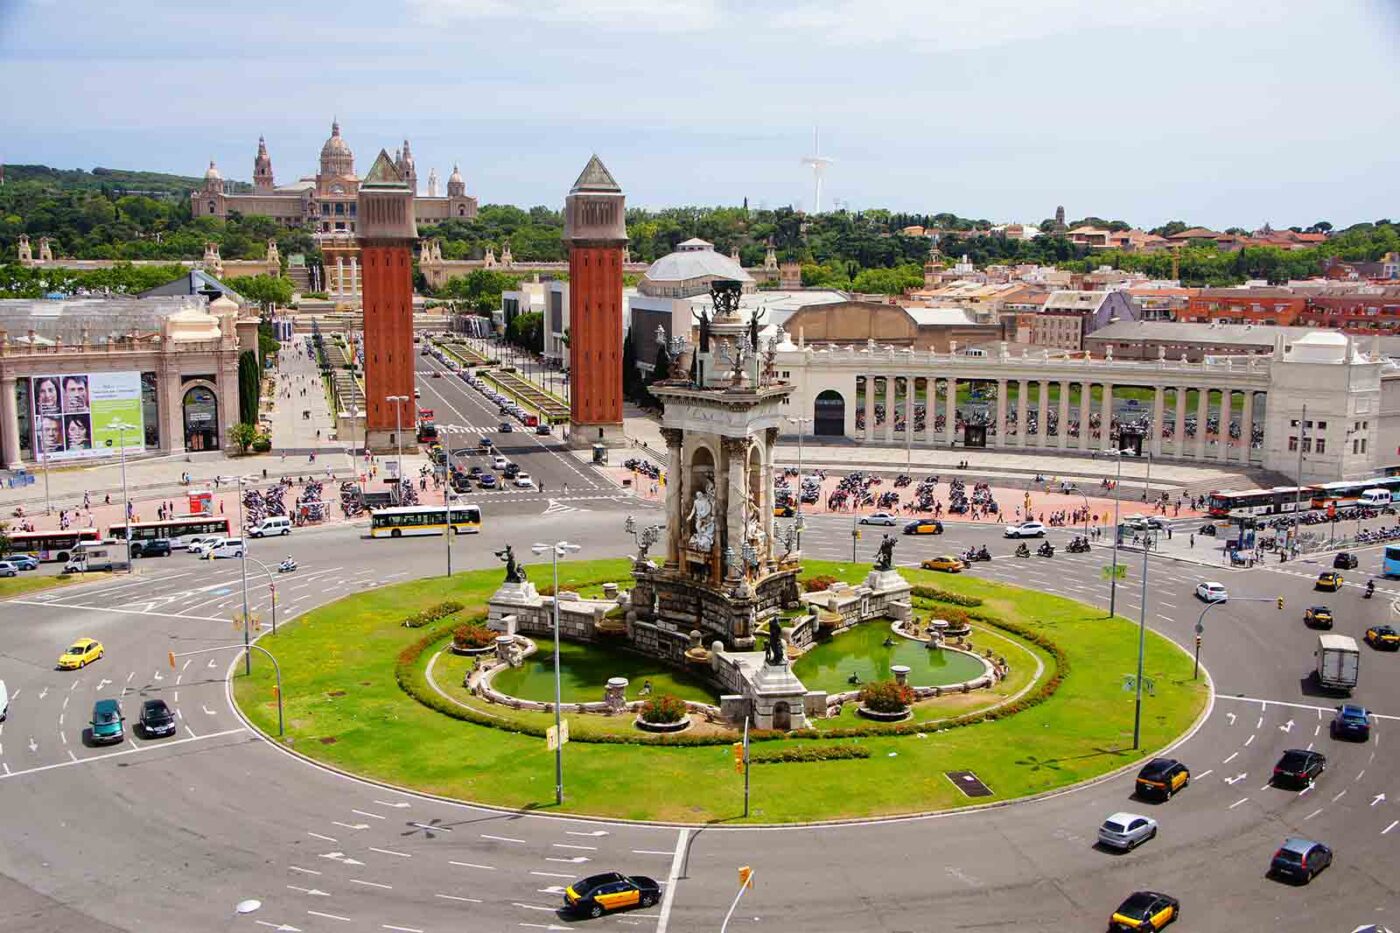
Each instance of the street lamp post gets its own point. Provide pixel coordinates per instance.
(1142, 646)
(1086, 507)
(243, 572)
(121, 427)
(801, 423)
(1113, 577)
(398, 401)
(271, 589)
(557, 550)
(447, 492)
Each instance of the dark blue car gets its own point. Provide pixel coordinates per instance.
(1351, 722)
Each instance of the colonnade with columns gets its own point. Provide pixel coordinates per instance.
(891, 404)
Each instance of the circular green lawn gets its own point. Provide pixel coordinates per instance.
(584, 669)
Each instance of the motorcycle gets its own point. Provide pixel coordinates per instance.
(1046, 550)
(287, 566)
(1023, 551)
(1078, 546)
(983, 554)
(1370, 589)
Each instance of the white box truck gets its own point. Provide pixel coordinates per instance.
(1338, 662)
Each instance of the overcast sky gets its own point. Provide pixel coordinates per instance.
(1219, 113)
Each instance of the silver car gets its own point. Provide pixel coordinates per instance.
(1126, 831)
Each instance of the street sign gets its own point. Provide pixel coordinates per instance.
(739, 757)
(553, 739)
(1109, 571)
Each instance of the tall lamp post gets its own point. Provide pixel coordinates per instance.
(121, 427)
(557, 550)
(398, 401)
(243, 572)
(801, 423)
(1113, 576)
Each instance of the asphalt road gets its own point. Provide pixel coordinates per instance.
(171, 834)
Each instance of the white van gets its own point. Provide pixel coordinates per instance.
(92, 557)
(1375, 498)
(4, 701)
(225, 547)
(276, 525)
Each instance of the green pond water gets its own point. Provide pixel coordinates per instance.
(585, 669)
(861, 651)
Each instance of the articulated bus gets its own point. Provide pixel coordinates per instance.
(423, 520)
(1280, 500)
(177, 530)
(51, 545)
(1346, 494)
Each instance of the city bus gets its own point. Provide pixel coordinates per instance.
(1248, 503)
(423, 520)
(1348, 493)
(177, 530)
(1390, 563)
(51, 545)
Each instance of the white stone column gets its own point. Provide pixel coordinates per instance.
(1159, 398)
(1086, 395)
(736, 464)
(1179, 430)
(339, 276)
(1042, 413)
(1106, 441)
(1247, 426)
(1202, 410)
(909, 410)
(950, 411)
(1022, 430)
(675, 501)
(889, 409)
(1001, 413)
(1227, 411)
(869, 408)
(930, 410)
(9, 424)
(1062, 438)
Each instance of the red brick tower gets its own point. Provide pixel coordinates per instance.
(387, 233)
(596, 231)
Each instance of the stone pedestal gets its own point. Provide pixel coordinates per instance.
(778, 698)
(508, 603)
(900, 672)
(615, 694)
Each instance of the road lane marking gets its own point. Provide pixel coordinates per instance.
(390, 926)
(363, 813)
(473, 865)
(398, 804)
(561, 845)
(1233, 756)
(456, 897)
(551, 874)
(134, 750)
(319, 836)
(391, 852)
(1390, 827)
(372, 884)
(304, 871)
(1313, 814)
(317, 913)
(502, 838)
(1238, 802)
(669, 894)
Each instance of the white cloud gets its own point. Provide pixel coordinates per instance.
(617, 15)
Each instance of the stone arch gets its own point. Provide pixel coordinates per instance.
(829, 414)
(199, 414)
(782, 716)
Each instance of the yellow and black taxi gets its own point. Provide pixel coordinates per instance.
(1145, 910)
(1318, 617)
(1161, 778)
(80, 654)
(1383, 638)
(1329, 580)
(784, 510)
(924, 526)
(599, 894)
(946, 562)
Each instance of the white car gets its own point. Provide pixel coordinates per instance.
(1211, 592)
(499, 463)
(203, 545)
(193, 543)
(880, 518)
(1025, 530)
(524, 481)
(1127, 831)
(225, 547)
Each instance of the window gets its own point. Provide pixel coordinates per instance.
(1356, 447)
(1321, 425)
(1363, 445)
(1321, 445)
(1293, 442)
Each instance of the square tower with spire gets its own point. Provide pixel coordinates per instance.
(596, 231)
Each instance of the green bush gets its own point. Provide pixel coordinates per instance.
(945, 596)
(887, 696)
(663, 709)
(805, 753)
(473, 635)
(262, 444)
(817, 584)
(432, 614)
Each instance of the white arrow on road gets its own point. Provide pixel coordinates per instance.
(43, 693)
(541, 926)
(342, 858)
(596, 832)
(577, 859)
(552, 889)
(281, 927)
(206, 709)
(1379, 798)
(33, 745)
(210, 665)
(1236, 779)
(1232, 718)
(311, 891)
(351, 825)
(158, 677)
(1286, 727)
(384, 803)
(102, 683)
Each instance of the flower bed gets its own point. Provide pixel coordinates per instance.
(473, 638)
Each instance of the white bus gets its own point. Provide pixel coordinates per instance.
(423, 520)
(177, 530)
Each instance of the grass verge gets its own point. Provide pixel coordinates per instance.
(31, 582)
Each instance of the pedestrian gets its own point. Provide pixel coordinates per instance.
(1169, 532)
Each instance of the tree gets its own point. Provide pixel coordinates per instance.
(267, 291)
(249, 386)
(479, 289)
(527, 331)
(242, 435)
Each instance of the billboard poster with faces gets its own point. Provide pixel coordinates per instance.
(74, 412)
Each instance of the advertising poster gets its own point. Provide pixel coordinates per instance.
(73, 414)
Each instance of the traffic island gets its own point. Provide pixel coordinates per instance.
(359, 697)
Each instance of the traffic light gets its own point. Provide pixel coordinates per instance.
(739, 757)
(746, 877)
(1280, 603)
(1198, 642)
(171, 656)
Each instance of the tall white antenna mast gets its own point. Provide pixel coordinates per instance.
(818, 163)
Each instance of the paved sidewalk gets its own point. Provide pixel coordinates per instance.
(299, 392)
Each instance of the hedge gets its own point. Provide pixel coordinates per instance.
(473, 635)
(806, 753)
(945, 596)
(432, 614)
(817, 584)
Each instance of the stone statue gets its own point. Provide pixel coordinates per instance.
(753, 327)
(515, 573)
(770, 362)
(704, 332)
(702, 518)
(774, 654)
(736, 354)
(884, 558)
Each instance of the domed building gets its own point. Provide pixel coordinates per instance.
(327, 201)
(690, 270)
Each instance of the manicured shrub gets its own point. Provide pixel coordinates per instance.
(472, 635)
(806, 753)
(887, 696)
(817, 584)
(432, 614)
(945, 596)
(663, 709)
